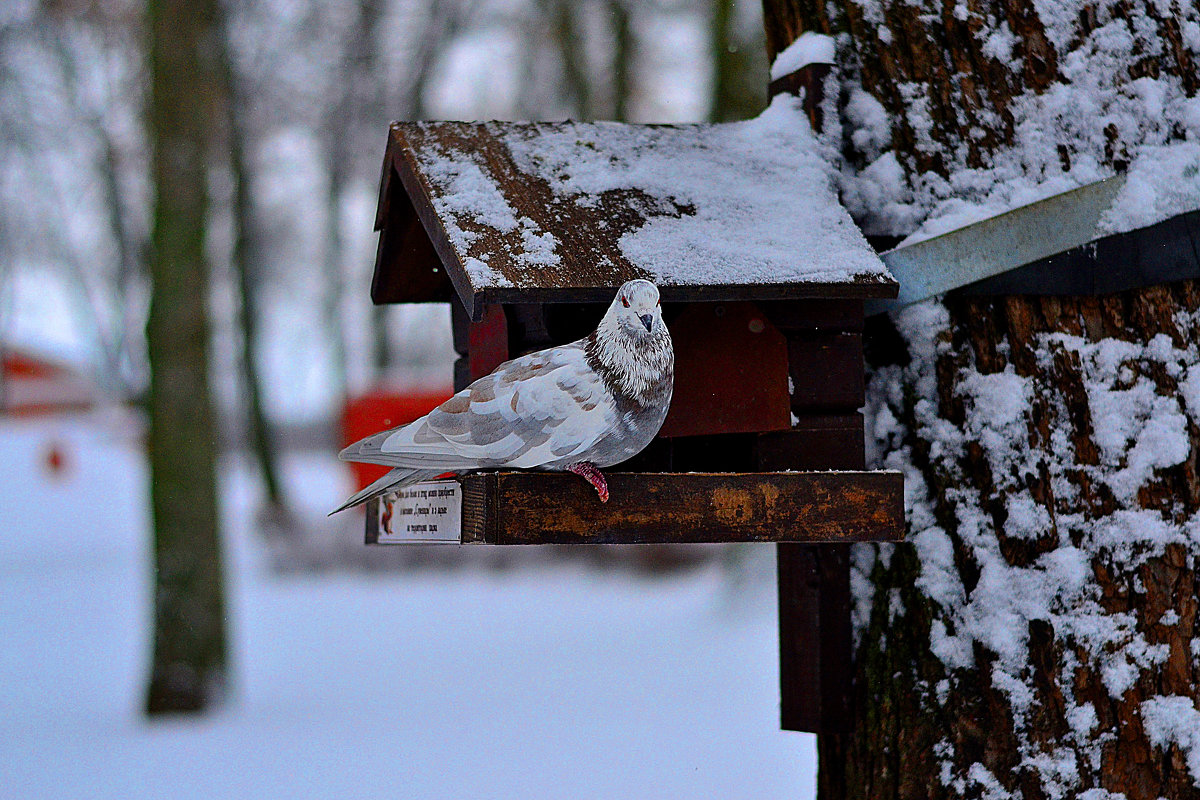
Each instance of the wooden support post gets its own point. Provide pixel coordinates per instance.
(807, 82)
(814, 580)
(482, 346)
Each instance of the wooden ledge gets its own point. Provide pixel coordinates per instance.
(662, 508)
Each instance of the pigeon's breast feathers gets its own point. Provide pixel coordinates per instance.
(631, 350)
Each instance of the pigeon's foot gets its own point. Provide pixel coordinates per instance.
(592, 474)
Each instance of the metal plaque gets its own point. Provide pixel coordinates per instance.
(421, 513)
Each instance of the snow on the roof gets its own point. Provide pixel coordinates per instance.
(742, 203)
(809, 48)
(1063, 137)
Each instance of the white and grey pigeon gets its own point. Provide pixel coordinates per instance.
(580, 407)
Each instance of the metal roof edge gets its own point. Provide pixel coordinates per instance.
(1164, 252)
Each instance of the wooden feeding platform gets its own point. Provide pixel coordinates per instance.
(670, 508)
(527, 230)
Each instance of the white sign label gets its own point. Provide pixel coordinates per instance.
(423, 512)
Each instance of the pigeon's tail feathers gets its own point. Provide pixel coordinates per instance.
(370, 451)
(365, 448)
(396, 479)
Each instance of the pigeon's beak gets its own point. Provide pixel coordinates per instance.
(647, 320)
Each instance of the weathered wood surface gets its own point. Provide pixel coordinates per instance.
(826, 372)
(659, 508)
(407, 268)
(487, 340)
(825, 362)
(833, 441)
(815, 665)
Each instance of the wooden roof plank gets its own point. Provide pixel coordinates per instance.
(419, 193)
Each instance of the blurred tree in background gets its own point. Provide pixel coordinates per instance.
(185, 104)
(740, 73)
(186, 203)
(312, 85)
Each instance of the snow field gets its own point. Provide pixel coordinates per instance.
(541, 681)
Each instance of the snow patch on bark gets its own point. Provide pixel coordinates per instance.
(809, 48)
(1174, 720)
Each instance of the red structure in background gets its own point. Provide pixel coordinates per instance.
(31, 385)
(377, 411)
(36, 386)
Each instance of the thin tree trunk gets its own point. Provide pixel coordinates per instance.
(723, 59)
(1036, 637)
(442, 21)
(569, 39)
(245, 260)
(188, 666)
(739, 79)
(334, 280)
(115, 342)
(624, 52)
(131, 267)
(360, 98)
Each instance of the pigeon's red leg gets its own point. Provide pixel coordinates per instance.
(592, 474)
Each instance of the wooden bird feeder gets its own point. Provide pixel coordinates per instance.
(527, 229)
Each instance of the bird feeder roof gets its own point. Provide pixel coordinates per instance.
(565, 212)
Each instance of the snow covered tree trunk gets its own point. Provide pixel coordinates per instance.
(1036, 638)
(189, 617)
(977, 102)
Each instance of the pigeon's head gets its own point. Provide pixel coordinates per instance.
(636, 309)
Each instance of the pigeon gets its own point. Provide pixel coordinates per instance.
(578, 408)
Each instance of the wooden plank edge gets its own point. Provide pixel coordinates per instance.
(372, 507)
(516, 500)
(870, 287)
(421, 197)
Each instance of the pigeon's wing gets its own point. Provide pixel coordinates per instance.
(540, 409)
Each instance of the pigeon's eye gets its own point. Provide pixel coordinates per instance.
(625, 302)
(658, 302)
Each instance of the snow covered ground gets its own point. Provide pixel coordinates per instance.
(537, 682)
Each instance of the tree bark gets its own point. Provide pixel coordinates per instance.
(953, 77)
(189, 634)
(566, 28)
(1037, 637)
(1057, 693)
